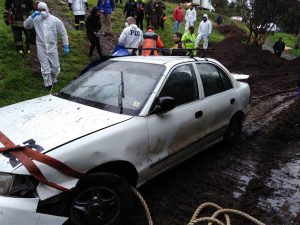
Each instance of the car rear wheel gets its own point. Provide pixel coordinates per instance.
(102, 198)
(233, 132)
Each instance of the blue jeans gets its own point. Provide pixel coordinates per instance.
(176, 27)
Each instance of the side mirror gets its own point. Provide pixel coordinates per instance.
(165, 104)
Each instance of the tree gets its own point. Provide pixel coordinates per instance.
(261, 15)
(291, 23)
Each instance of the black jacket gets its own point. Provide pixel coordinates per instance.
(92, 22)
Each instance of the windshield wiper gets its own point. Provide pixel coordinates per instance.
(121, 94)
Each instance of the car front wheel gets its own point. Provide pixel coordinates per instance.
(101, 198)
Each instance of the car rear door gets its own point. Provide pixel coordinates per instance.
(220, 98)
(180, 127)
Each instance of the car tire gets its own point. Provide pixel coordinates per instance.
(233, 131)
(101, 198)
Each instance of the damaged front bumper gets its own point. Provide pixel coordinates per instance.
(23, 211)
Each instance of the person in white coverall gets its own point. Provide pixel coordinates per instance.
(131, 36)
(47, 27)
(78, 7)
(204, 31)
(190, 17)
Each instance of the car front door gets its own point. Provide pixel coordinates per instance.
(180, 127)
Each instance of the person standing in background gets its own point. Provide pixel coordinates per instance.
(106, 8)
(47, 28)
(151, 40)
(93, 26)
(158, 11)
(149, 13)
(178, 18)
(190, 17)
(188, 39)
(179, 48)
(78, 7)
(131, 36)
(129, 9)
(140, 6)
(279, 47)
(15, 12)
(204, 31)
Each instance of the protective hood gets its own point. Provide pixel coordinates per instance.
(205, 15)
(42, 6)
(51, 121)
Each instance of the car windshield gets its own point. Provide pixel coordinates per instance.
(115, 86)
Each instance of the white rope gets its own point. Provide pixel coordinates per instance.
(144, 204)
(196, 219)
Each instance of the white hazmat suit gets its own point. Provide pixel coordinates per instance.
(190, 18)
(47, 27)
(131, 37)
(204, 30)
(78, 7)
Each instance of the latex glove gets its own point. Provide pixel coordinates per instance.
(34, 14)
(66, 50)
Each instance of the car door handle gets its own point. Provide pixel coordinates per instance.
(232, 101)
(198, 114)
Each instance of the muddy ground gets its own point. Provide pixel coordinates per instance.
(261, 174)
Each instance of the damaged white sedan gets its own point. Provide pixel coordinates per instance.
(123, 121)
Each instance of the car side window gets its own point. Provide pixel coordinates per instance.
(214, 80)
(181, 85)
(226, 81)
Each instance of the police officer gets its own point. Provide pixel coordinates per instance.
(131, 36)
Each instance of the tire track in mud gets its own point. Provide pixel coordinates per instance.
(250, 177)
(273, 192)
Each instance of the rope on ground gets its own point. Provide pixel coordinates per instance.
(196, 219)
(144, 204)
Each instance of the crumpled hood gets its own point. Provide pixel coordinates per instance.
(51, 121)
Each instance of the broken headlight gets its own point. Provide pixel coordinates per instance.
(17, 185)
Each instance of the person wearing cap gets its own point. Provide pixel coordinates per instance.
(151, 40)
(47, 28)
(188, 39)
(204, 31)
(131, 36)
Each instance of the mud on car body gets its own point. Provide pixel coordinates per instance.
(121, 122)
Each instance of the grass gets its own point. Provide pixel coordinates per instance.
(18, 84)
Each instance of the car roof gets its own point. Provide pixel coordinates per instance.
(162, 60)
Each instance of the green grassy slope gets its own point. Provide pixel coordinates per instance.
(18, 84)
